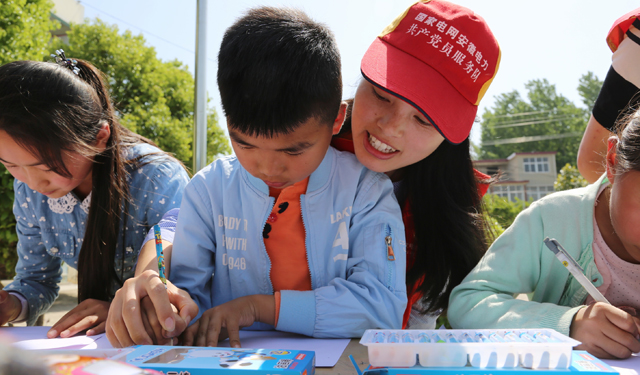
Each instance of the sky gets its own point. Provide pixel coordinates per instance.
(558, 40)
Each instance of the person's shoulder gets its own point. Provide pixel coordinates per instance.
(348, 162)
(19, 185)
(21, 191)
(350, 171)
(345, 157)
(567, 196)
(224, 166)
(564, 205)
(217, 181)
(142, 149)
(219, 174)
(152, 161)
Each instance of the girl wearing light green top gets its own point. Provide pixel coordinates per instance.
(519, 262)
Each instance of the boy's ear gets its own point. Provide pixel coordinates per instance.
(342, 114)
(103, 136)
(610, 159)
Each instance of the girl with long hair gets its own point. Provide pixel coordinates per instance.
(86, 189)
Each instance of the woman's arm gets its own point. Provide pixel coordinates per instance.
(593, 148)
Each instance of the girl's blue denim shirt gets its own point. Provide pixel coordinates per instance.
(50, 231)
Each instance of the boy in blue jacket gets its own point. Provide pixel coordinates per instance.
(298, 236)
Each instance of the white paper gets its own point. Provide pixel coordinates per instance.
(629, 366)
(328, 351)
(35, 338)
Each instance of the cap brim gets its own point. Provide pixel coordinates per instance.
(422, 86)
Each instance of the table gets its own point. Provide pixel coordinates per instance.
(344, 365)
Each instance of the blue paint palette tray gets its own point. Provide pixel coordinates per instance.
(504, 348)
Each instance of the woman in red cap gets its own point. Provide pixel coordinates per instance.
(411, 117)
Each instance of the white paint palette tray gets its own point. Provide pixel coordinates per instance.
(504, 348)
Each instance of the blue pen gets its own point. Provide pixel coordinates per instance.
(160, 254)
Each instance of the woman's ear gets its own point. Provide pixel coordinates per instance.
(342, 114)
(612, 146)
(103, 136)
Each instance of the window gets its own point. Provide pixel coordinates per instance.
(536, 165)
(510, 192)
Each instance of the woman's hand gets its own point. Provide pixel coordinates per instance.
(10, 307)
(144, 312)
(89, 315)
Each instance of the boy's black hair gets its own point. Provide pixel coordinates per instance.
(277, 68)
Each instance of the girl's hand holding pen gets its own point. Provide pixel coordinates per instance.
(143, 301)
(606, 331)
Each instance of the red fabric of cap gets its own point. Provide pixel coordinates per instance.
(440, 57)
(619, 28)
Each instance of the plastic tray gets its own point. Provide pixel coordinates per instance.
(505, 348)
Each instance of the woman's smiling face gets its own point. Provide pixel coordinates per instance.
(388, 133)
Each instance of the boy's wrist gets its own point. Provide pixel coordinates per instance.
(265, 308)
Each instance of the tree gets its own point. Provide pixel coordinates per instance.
(589, 87)
(154, 98)
(569, 178)
(502, 211)
(24, 29)
(546, 121)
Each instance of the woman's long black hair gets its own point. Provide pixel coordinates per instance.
(441, 192)
(48, 109)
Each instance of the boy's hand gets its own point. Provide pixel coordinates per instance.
(10, 307)
(606, 331)
(90, 314)
(224, 321)
(152, 325)
(134, 319)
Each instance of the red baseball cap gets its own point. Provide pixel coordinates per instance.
(620, 27)
(440, 58)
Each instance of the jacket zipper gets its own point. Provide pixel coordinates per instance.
(264, 247)
(391, 257)
(390, 254)
(306, 243)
